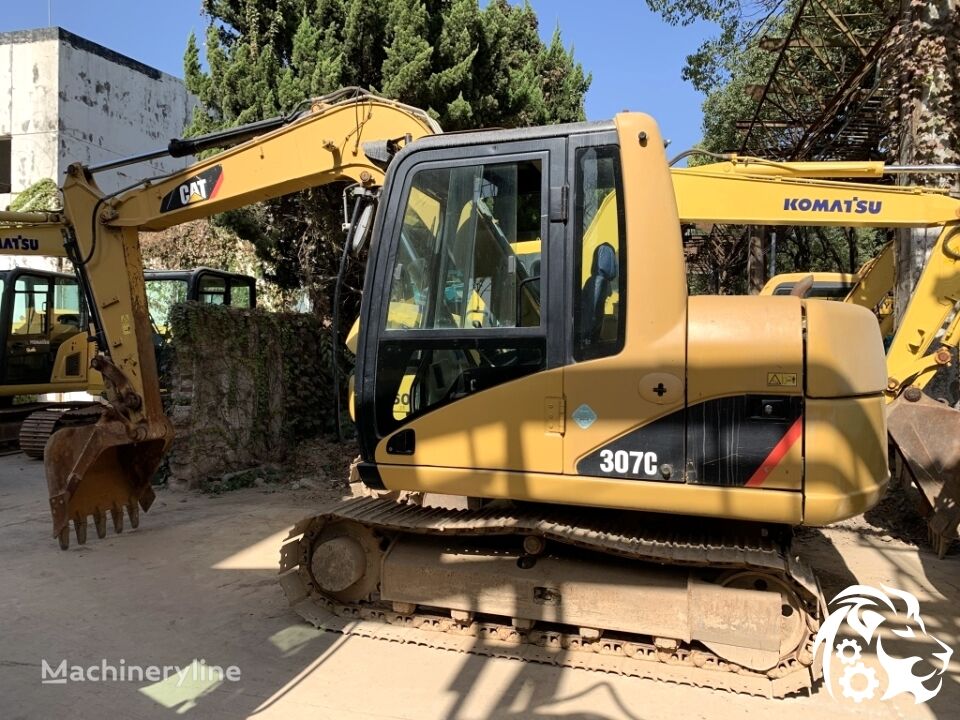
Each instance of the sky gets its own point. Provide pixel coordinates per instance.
(634, 56)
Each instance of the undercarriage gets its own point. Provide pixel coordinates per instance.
(725, 605)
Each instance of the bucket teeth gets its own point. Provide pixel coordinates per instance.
(100, 523)
(116, 514)
(133, 510)
(80, 528)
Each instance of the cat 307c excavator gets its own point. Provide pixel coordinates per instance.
(921, 357)
(585, 465)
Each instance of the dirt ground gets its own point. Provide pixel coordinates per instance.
(197, 582)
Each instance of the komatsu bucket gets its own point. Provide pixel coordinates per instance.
(926, 434)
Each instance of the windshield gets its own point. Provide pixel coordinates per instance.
(163, 295)
(469, 253)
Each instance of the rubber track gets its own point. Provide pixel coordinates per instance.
(713, 544)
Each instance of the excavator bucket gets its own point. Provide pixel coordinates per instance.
(926, 433)
(98, 470)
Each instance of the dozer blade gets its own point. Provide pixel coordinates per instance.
(96, 470)
(926, 433)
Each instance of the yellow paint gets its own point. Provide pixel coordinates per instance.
(476, 432)
(846, 458)
(656, 311)
(844, 351)
(723, 363)
(762, 505)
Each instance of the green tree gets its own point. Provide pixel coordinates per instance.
(42, 196)
(467, 66)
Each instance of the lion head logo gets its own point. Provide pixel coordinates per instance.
(860, 608)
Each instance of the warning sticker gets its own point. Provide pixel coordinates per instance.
(782, 379)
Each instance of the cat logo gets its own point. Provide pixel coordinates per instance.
(198, 188)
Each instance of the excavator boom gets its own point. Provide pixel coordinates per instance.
(105, 468)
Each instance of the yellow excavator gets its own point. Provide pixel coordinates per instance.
(923, 430)
(871, 286)
(589, 467)
(44, 344)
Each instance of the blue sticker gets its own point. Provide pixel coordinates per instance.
(584, 416)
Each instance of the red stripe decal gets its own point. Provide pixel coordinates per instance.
(777, 454)
(216, 187)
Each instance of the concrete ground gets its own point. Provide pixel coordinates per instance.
(197, 582)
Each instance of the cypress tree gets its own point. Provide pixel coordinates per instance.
(467, 66)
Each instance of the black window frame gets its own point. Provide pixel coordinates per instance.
(6, 164)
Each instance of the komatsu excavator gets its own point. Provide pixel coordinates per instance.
(923, 430)
(871, 286)
(44, 341)
(625, 463)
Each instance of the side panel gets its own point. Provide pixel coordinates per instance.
(751, 346)
(846, 453)
(609, 397)
(503, 428)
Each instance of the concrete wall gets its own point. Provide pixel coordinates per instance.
(112, 107)
(29, 81)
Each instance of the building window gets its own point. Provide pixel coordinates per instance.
(6, 168)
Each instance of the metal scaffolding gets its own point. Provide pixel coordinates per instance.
(827, 94)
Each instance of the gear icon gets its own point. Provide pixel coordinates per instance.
(852, 657)
(864, 693)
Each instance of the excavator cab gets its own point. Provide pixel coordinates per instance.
(43, 343)
(39, 311)
(204, 285)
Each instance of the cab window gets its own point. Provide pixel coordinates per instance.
(599, 283)
(213, 290)
(67, 319)
(459, 263)
(241, 295)
(464, 311)
(30, 305)
(162, 295)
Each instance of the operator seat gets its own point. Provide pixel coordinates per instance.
(593, 298)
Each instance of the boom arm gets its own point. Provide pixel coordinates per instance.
(712, 193)
(324, 145)
(37, 234)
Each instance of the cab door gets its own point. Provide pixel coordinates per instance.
(462, 350)
(29, 351)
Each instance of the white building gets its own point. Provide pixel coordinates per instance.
(65, 99)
